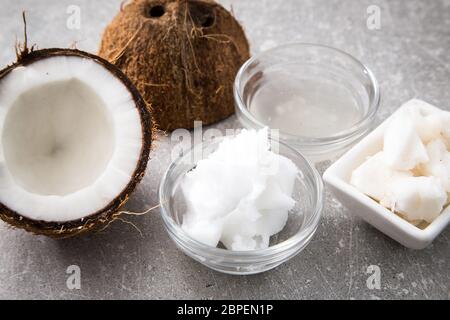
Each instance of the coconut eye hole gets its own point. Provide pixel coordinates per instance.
(202, 16)
(208, 21)
(156, 11)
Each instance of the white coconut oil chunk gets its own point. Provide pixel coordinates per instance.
(240, 195)
(411, 174)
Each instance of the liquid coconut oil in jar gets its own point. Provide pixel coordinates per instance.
(320, 99)
(308, 107)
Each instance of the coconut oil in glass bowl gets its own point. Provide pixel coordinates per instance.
(300, 227)
(321, 99)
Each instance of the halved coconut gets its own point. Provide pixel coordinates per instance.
(183, 55)
(74, 141)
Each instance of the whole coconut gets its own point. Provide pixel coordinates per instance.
(183, 56)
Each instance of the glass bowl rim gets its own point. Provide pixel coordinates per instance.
(279, 248)
(344, 135)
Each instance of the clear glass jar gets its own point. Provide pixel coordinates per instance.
(341, 93)
(300, 228)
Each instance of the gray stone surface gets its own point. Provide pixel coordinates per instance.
(410, 57)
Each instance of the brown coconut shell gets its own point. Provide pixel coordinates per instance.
(183, 56)
(103, 217)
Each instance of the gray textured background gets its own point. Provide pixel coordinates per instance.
(410, 57)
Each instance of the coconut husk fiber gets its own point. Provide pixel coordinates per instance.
(183, 56)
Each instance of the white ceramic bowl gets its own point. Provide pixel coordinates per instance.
(337, 177)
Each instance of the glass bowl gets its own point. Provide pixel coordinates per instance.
(321, 99)
(300, 228)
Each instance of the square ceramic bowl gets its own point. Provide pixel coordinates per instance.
(337, 177)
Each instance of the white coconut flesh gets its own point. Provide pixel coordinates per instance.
(71, 138)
